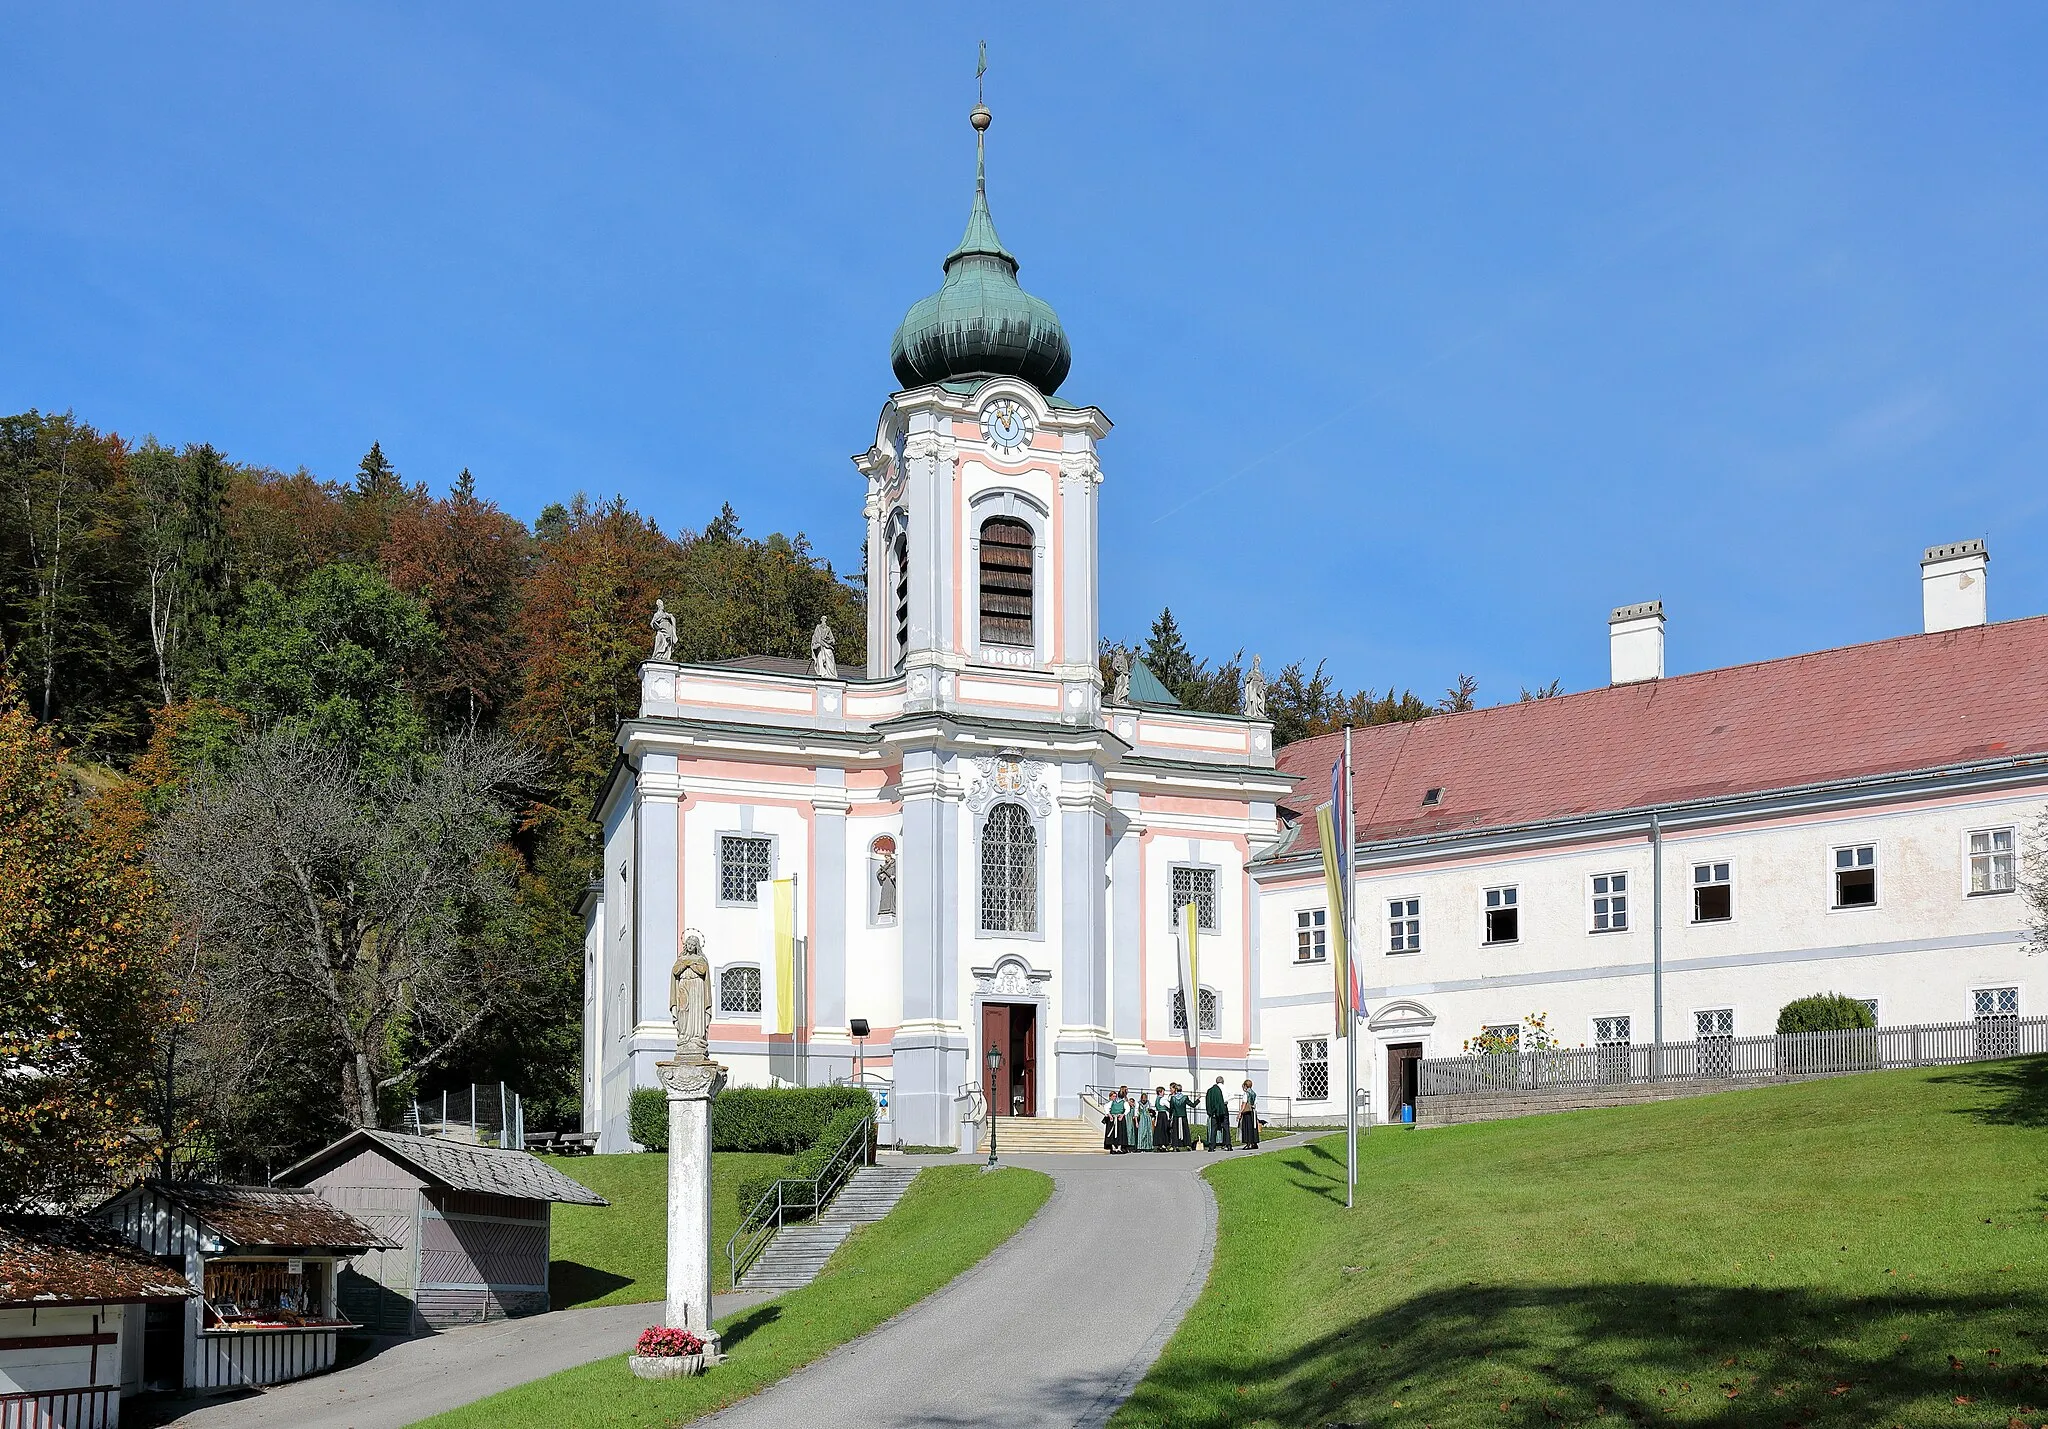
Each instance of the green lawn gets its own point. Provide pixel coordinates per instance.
(617, 1254)
(1864, 1250)
(951, 1218)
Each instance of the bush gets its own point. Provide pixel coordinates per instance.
(647, 1118)
(805, 1164)
(1824, 1012)
(786, 1119)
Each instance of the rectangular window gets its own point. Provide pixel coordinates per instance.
(1205, 1008)
(744, 862)
(1871, 1003)
(1856, 876)
(1196, 886)
(1714, 1031)
(1501, 1038)
(1998, 1021)
(1311, 935)
(1503, 915)
(1713, 893)
(1610, 902)
(1404, 925)
(1993, 864)
(1312, 1075)
(739, 992)
(1611, 1048)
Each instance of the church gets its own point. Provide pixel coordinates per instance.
(970, 844)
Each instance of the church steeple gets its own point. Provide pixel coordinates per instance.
(981, 323)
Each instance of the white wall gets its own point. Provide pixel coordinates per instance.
(41, 1367)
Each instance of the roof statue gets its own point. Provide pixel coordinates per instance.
(1255, 692)
(824, 655)
(1120, 662)
(980, 323)
(664, 623)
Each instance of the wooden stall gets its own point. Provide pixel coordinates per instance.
(74, 1299)
(265, 1261)
(467, 1226)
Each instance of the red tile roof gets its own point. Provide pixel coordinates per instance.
(1893, 706)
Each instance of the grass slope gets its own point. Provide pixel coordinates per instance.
(951, 1218)
(1864, 1250)
(617, 1254)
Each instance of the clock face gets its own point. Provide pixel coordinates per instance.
(1006, 424)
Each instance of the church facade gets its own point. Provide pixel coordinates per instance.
(987, 848)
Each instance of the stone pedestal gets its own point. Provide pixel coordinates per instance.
(690, 1087)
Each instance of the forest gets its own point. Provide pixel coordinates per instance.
(297, 776)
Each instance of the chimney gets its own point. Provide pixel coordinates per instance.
(1635, 642)
(1952, 586)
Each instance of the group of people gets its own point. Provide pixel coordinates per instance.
(1161, 1120)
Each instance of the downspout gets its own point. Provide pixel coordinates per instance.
(1657, 940)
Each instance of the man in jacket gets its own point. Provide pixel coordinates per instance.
(1218, 1107)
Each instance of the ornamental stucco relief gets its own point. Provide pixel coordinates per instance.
(1000, 777)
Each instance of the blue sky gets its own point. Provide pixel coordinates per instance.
(1430, 332)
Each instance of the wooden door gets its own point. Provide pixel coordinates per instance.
(1027, 1065)
(1404, 1074)
(995, 1032)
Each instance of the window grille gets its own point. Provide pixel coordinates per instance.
(1205, 1004)
(1501, 1037)
(1611, 1047)
(1871, 1003)
(1404, 925)
(1196, 886)
(1610, 902)
(739, 992)
(1503, 915)
(744, 863)
(1856, 876)
(1998, 1021)
(1312, 1069)
(1713, 893)
(1714, 1030)
(1009, 871)
(1005, 581)
(1311, 935)
(1993, 867)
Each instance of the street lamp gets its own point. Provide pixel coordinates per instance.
(995, 1063)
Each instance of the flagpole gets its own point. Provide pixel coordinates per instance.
(1350, 1013)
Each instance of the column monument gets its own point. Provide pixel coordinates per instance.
(691, 1081)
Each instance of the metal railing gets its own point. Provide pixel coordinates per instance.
(796, 1198)
(488, 1115)
(1715, 1059)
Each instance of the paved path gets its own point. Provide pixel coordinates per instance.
(1054, 1329)
(415, 1378)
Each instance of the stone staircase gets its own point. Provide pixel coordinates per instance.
(1036, 1134)
(799, 1251)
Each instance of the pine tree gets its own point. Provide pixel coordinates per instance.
(375, 476)
(1167, 655)
(203, 595)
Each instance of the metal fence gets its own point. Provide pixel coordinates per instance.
(489, 1115)
(1714, 1059)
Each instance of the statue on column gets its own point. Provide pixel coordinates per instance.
(1255, 692)
(664, 623)
(689, 1000)
(1120, 665)
(824, 660)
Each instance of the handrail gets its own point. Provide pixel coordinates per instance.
(776, 1206)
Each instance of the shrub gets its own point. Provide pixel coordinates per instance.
(786, 1119)
(1824, 1012)
(647, 1118)
(806, 1163)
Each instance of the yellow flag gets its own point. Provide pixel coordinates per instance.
(1333, 884)
(784, 894)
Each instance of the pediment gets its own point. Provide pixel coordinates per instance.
(1401, 1015)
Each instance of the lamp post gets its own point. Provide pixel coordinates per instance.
(995, 1063)
(859, 1028)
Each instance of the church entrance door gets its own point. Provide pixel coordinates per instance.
(1012, 1029)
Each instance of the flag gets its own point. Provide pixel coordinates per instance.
(783, 896)
(1351, 992)
(1190, 987)
(982, 68)
(1339, 931)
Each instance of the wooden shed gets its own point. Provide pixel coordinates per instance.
(74, 1299)
(468, 1227)
(265, 1261)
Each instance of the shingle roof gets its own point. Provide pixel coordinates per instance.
(283, 1217)
(462, 1166)
(1916, 702)
(44, 1259)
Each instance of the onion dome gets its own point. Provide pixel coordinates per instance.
(980, 323)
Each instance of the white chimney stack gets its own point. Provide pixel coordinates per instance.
(1952, 586)
(1635, 642)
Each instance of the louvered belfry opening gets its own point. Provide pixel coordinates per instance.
(1005, 582)
(899, 559)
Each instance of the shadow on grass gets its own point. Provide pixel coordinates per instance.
(752, 1322)
(1570, 1354)
(571, 1283)
(2017, 1091)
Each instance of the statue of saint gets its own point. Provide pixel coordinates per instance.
(689, 999)
(1255, 692)
(664, 632)
(885, 884)
(1120, 663)
(824, 661)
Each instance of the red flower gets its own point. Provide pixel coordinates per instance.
(661, 1342)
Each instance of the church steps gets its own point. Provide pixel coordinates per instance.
(1057, 1135)
(799, 1251)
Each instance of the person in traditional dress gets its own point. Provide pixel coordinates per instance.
(1248, 1117)
(1182, 1141)
(1218, 1107)
(1162, 1121)
(1119, 1117)
(1143, 1122)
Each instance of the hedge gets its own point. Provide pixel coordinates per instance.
(1824, 1012)
(786, 1119)
(806, 1163)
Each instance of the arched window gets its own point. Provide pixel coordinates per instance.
(882, 881)
(1005, 581)
(1205, 1005)
(1009, 871)
(739, 992)
(899, 582)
